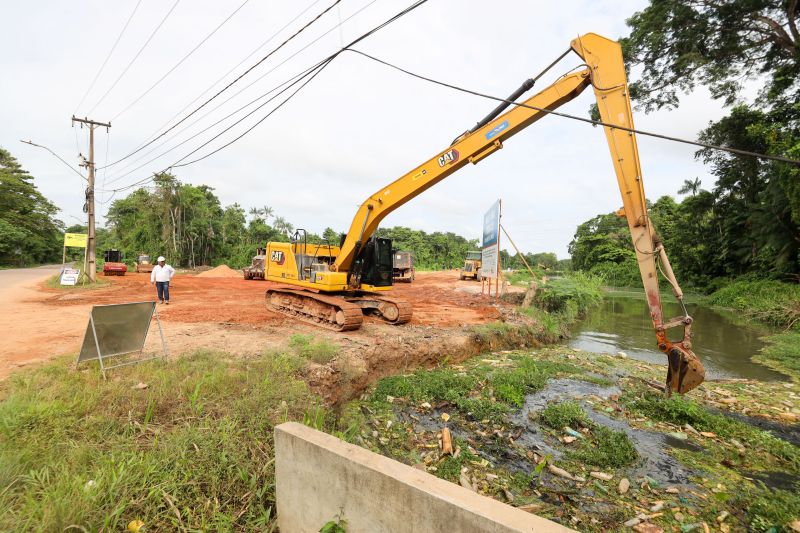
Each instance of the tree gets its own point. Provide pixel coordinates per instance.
(751, 221)
(29, 231)
(283, 226)
(690, 186)
(715, 43)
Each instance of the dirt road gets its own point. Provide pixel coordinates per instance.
(215, 313)
(29, 334)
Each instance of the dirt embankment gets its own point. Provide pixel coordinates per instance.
(228, 313)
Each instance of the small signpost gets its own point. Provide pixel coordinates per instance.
(69, 276)
(119, 329)
(490, 252)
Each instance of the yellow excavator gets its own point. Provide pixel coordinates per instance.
(334, 286)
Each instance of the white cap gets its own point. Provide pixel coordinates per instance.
(160, 258)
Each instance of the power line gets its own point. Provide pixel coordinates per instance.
(241, 91)
(324, 63)
(132, 61)
(56, 155)
(259, 47)
(251, 128)
(298, 32)
(581, 119)
(293, 78)
(316, 70)
(113, 47)
(179, 63)
(108, 143)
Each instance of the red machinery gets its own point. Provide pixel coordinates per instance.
(113, 263)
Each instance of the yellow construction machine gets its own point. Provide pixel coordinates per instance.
(333, 286)
(472, 266)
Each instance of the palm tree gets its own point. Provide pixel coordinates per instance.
(262, 213)
(282, 226)
(690, 186)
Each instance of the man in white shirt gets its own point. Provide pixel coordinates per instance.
(161, 275)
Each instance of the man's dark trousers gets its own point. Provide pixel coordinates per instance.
(163, 290)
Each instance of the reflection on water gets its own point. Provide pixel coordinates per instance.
(622, 323)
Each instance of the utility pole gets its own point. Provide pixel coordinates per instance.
(91, 259)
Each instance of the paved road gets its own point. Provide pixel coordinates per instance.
(32, 331)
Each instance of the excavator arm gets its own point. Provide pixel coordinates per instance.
(604, 70)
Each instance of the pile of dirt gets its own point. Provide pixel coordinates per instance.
(222, 271)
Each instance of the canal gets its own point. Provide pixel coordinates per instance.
(725, 344)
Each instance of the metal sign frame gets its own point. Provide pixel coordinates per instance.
(101, 357)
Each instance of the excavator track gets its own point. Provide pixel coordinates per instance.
(329, 312)
(391, 310)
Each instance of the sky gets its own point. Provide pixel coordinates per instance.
(353, 129)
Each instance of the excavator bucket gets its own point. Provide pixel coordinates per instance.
(685, 370)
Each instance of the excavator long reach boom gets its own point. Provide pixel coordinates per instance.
(605, 72)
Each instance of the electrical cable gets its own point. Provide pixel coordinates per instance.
(260, 61)
(251, 128)
(241, 91)
(113, 47)
(251, 54)
(316, 70)
(132, 61)
(293, 78)
(583, 119)
(184, 58)
(108, 142)
(57, 156)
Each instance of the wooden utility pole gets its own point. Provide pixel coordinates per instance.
(91, 252)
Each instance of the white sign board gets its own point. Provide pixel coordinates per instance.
(69, 276)
(491, 241)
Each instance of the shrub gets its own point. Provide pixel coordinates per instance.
(572, 295)
(569, 413)
(773, 302)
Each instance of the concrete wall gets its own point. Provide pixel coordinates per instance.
(319, 476)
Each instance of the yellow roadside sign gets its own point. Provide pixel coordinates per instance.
(75, 240)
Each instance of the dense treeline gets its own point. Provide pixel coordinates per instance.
(748, 223)
(29, 231)
(188, 224)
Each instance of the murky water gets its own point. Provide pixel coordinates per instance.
(622, 323)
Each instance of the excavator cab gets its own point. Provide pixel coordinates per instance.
(374, 265)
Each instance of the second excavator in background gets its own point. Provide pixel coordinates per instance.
(334, 286)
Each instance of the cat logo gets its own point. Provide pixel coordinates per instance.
(277, 257)
(449, 157)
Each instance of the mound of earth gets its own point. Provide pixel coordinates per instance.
(222, 271)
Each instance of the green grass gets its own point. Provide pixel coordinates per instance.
(782, 353)
(569, 413)
(426, 385)
(54, 282)
(761, 508)
(193, 450)
(605, 448)
(572, 295)
(320, 351)
(482, 392)
(450, 467)
(772, 302)
(554, 325)
(681, 410)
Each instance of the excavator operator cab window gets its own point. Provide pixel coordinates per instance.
(375, 263)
